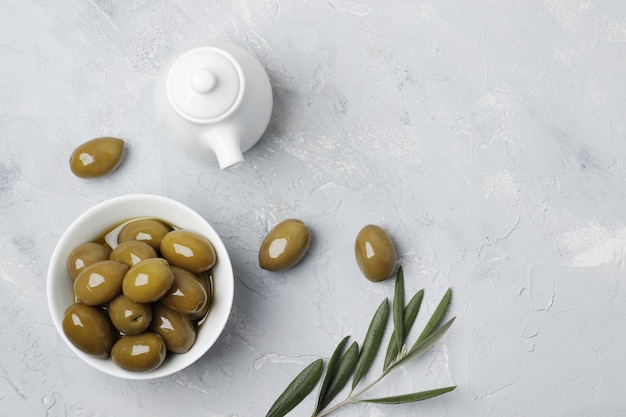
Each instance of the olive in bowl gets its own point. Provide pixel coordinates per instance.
(90, 226)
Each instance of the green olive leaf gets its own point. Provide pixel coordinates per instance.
(409, 398)
(297, 390)
(436, 318)
(331, 371)
(410, 314)
(371, 343)
(420, 348)
(398, 310)
(344, 371)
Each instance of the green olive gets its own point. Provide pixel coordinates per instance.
(187, 295)
(89, 329)
(148, 281)
(128, 316)
(285, 245)
(131, 252)
(175, 328)
(100, 282)
(148, 230)
(140, 353)
(97, 157)
(375, 253)
(86, 254)
(188, 250)
(206, 279)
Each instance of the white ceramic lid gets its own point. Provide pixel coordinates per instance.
(205, 85)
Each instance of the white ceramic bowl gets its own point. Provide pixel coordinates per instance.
(91, 224)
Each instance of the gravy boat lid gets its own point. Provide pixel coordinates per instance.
(205, 84)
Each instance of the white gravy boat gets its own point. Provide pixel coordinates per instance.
(214, 100)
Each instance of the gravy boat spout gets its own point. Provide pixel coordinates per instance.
(226, 144)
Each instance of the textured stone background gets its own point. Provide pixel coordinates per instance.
(485, 136)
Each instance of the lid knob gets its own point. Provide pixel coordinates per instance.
(203, 80)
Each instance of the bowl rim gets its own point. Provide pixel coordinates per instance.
(138, 205)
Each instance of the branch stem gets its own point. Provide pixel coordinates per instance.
(352, 397)
(365, 389)
(348, 400)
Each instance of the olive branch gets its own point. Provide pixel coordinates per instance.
(355, 362)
